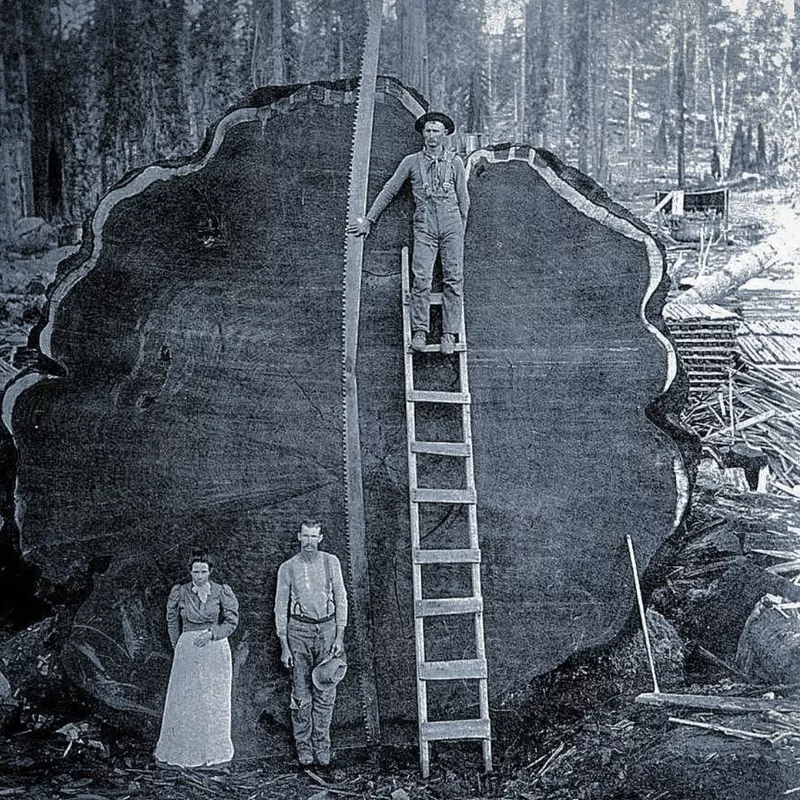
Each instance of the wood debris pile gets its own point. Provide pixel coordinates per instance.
(87, 775)
(759, 407)
(771, 342)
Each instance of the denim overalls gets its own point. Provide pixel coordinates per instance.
(437, 227)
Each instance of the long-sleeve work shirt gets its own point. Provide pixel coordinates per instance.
(218, 614)
(310, 588)
(440, 179)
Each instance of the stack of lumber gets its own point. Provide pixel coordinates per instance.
(7, 371)
(705, 338)
(771, 342)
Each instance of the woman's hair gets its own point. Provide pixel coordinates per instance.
(202, 557)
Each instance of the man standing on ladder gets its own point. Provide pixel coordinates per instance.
(441, 205)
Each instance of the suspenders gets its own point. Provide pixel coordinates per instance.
(326, 564)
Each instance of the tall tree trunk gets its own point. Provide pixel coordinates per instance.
(629, 121)
(278, 55)
(603, 169)
(414, 44)
(605, 25)
(680, 96)
(580, 46)
(523, 78)
(694, 81)
(712, 88)
(339, 45)
(477, 111)
(670, 66)
(796, 42)
(540, 37)
(16, 132)
(564, 81)
(490, 93)
(703, 63)
(725, 107)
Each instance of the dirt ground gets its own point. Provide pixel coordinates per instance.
(575, 734)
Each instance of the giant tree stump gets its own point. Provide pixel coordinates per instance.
(194, 396)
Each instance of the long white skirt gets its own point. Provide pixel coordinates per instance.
(196, 725)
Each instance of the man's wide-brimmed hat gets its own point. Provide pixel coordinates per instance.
(329, 673)
(435, 116)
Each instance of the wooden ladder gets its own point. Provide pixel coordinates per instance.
(474, 669)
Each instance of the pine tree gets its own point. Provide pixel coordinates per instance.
(580, 97)
(539, 37)
(736, 164)
(16, 133)
(505, 81)
(748, 161)
(796, 41)
(661, 146)
(680, 98)
(414, 65)
(761, 151)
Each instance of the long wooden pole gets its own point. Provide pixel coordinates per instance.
(642, 615)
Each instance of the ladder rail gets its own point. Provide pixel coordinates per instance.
(451, 669)
(413, 510)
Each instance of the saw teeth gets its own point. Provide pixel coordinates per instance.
(368, 77)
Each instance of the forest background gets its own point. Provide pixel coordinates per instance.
(90, 89)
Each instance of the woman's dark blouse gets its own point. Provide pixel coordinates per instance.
(219, 614)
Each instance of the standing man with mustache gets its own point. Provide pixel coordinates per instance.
(441, 204)
(310, 619)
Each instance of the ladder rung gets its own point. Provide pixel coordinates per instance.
(438, 397)
(458, 347)
(442, 448)
(455, 729)
(448, 605)
(457, 496)
(447, 556)
(466, 669)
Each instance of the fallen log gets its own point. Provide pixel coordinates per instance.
(713, 287)
(190, 393)
(768, 648)
(731, 705)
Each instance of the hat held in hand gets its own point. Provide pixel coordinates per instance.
(329, 673)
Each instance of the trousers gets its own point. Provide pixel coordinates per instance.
(312, 708)
(438, 228)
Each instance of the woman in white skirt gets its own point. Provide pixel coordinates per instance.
(196, 724)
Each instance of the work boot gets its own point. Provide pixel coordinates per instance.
(448, 343)
(305, 758)
(324, 758)
(419, 340)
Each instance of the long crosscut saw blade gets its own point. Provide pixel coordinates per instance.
(351, 301)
